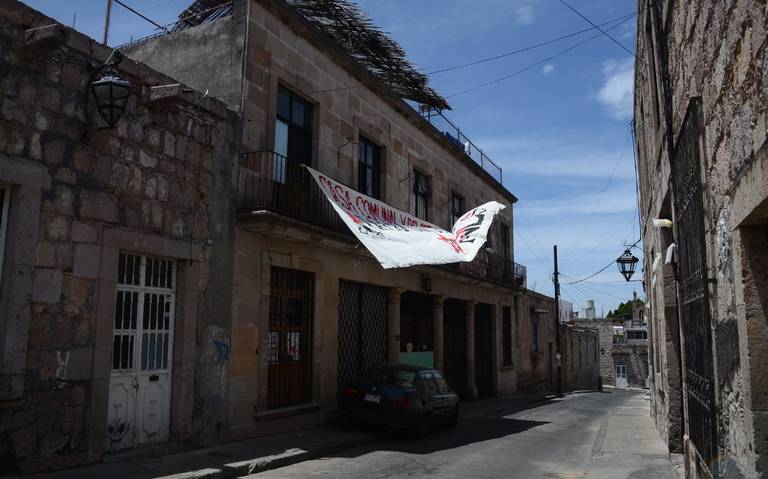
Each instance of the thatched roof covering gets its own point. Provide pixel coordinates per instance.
(349, 27)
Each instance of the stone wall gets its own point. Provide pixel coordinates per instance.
(159, 184)
(604, 328)
(715, 51)
(581, 351)
(536, 369)
(276, 243)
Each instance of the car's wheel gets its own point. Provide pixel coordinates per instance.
(422, 428)
(454, 417)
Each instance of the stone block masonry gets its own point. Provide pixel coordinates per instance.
(159, 185)
(703, 71)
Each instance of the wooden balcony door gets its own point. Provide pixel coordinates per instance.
(291, 305)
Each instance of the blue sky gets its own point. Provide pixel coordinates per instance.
(559, 130)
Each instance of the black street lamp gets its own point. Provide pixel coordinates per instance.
(626, 263)
(110, 91)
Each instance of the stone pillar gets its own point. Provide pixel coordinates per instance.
(437, 328)
(393, 325)
(471, 387)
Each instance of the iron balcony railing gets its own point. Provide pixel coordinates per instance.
(455, 137)
(268, 181)
(492, 267)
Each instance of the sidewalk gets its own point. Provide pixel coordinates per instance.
(628, 445)
(264, 453)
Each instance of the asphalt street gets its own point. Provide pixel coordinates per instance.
(583, 435)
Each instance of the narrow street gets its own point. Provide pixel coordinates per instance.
(583, 435)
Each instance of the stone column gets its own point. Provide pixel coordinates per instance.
(471, 387)
(393, 325)
(437, 328)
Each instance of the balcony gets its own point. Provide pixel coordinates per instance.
(268, 181)
(460, 142)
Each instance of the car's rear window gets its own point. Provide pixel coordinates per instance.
(392, 376)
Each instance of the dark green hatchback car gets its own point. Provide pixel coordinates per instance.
(402, 396)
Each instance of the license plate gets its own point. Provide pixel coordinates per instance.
(372, 398)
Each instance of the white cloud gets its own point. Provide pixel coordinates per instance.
(548, 68)
(616, 92)
(524, 14)
(557, 158)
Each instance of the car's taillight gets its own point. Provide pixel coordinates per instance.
(399, 403)
(350, 392)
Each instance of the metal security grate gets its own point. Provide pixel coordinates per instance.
(694, 308)
(362, 328)
(143, 309)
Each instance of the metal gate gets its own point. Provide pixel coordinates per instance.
(694, 307)
(362, 328)
(142, 352)
(289, 344)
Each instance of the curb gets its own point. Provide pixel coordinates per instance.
(266, 463)
(289, 458)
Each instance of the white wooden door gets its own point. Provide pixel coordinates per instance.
(621, 375)
(140, 384)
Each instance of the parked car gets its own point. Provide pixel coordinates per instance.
(402, 396)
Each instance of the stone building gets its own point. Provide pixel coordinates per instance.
(177, 280)
(623, 347)
(116, 254)
(581, 363)
(700, 125)
(311, 95)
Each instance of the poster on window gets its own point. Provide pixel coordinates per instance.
(293, 346)
(397, 239)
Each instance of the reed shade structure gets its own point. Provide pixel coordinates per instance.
(352, 30)
(202, 11)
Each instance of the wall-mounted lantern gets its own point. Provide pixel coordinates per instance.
(109, 90)
(626, 263)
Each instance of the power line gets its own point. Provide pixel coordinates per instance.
(602, 269)
(604, 32)
(547, 267)
(545, 60)
(528, 48)
(605, 240)
(593, 274)
(138, 13)
(602, 194)
(596, 291)
(530, 228)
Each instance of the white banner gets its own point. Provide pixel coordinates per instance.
(398, 239)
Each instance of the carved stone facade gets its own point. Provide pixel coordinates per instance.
(700, 125)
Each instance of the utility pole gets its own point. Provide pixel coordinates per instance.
(558, 354)
(106, 21)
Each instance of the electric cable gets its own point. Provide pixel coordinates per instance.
(604, 32)
(601, 270)
(545, 60)
(600, 199)
(530, 47)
